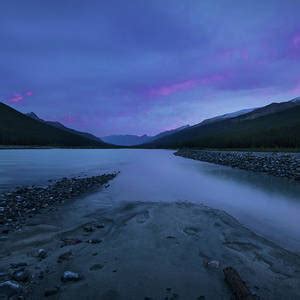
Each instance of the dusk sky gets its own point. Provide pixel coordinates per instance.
(141, 67)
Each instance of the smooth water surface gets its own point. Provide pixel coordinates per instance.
(270, 206)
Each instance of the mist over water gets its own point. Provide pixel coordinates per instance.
(268, 205)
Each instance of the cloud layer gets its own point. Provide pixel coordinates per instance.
(144, 66)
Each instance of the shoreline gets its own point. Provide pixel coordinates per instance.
(140, 250)
(21, 204)
(279, 164)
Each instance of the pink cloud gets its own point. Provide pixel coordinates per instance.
(166, 90)
(16, 98)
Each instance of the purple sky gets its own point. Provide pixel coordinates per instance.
(137, 66)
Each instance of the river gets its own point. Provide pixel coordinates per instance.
(268, 205)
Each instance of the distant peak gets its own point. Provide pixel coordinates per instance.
(297, 99)
(33, 116)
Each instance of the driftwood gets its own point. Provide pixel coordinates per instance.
(237, 285)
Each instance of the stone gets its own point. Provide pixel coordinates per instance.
(211, 264)
(10, 288)
(70, 276)
(21, 275)
(42, 253)
(214, 264)
(94, 241)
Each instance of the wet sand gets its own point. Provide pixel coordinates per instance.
(146, 251)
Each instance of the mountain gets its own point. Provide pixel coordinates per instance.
(296, 100)
(168, 132)
(134, 140)
(271, 126)
(226, 116)
(126, 139)
(19, 129)
(63, 127)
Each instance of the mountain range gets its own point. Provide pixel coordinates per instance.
(134, 140)
(17, 129)
(276, 125)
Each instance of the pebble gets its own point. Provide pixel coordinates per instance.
(276, 164)
(94, 241)
(10, 288)
(42, 253)
(70, 276)
(211, 264)
(21, 275)
(25, 202)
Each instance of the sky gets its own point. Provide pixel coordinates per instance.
(141, 67)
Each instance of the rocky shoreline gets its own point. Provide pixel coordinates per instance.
(277, 164)
(21, 204)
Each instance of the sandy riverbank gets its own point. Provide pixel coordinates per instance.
(145, 251)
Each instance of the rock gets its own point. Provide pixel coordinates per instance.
(42, 253)
(51, 291)
(211, 264)
(94, 241)
(21, 275)
(65, 256)
(18, 265)
(70, 276)
(10, 288)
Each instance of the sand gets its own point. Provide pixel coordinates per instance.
(147, 251)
